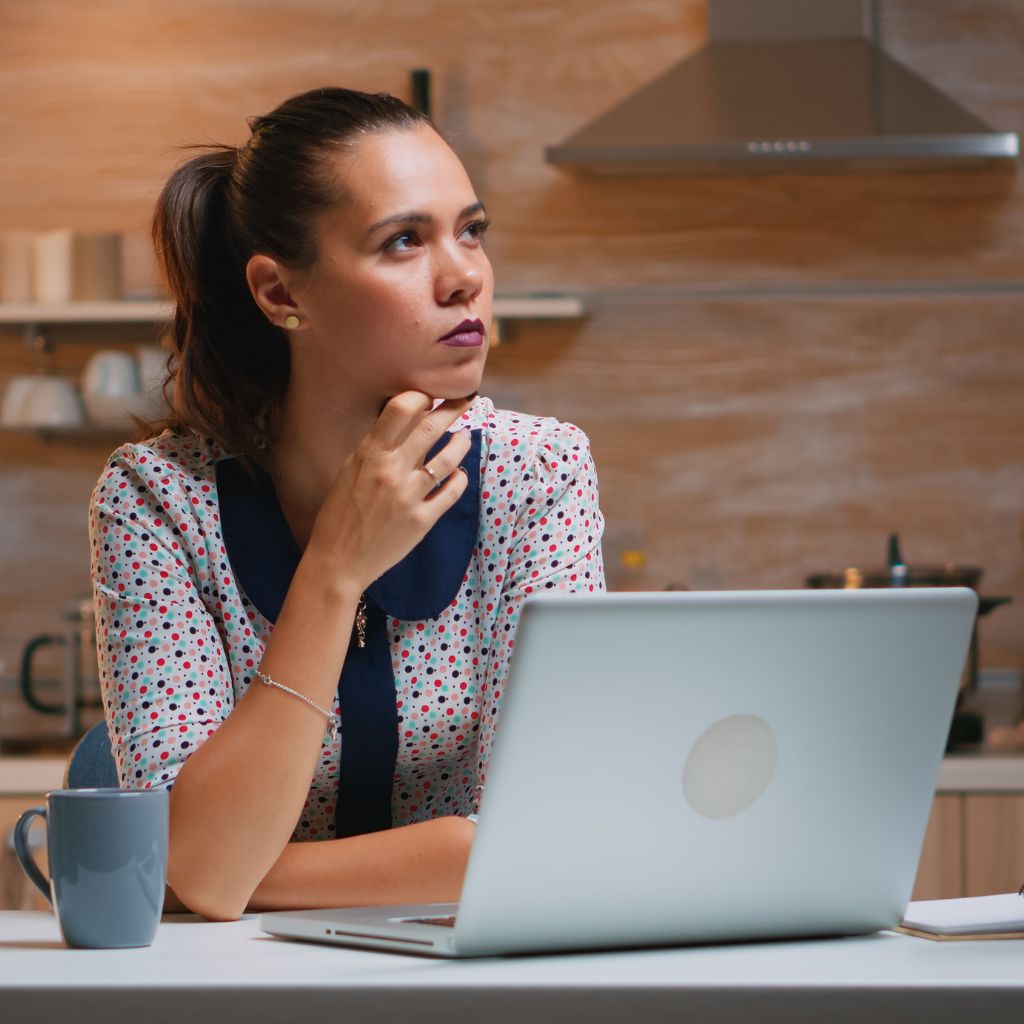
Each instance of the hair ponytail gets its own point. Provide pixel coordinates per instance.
(229, 365)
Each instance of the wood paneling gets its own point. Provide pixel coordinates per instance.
(940, 874)
(974, 846)
(16, 891)
(776, 370)
(750, 442)
(994, 844)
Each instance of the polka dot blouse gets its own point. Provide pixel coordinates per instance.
(179, 641)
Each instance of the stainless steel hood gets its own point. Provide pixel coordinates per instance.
(785, 85)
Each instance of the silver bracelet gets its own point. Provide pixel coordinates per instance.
(332, 720)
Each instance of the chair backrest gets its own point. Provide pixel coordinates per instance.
(91, 764)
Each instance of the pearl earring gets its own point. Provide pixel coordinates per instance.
(291, 322)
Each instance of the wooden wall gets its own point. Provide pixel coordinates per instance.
(775, 371)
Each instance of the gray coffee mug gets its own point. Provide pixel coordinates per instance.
(107, 851)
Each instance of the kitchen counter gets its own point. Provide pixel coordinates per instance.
(981, 773)
(960, 773)
(235, 971)
(28, 776)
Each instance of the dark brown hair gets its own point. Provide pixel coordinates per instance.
(229, 365)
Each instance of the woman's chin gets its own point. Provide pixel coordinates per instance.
(450, 386)
(456, 396)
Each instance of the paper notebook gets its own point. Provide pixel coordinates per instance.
(977, 917)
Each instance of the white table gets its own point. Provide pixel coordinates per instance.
(228, 972)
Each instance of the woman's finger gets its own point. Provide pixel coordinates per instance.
(429, 429)
(399, 415)
(438, 469)
(443, 497)
(411, 416)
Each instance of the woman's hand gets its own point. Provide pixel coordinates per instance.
(382, 502)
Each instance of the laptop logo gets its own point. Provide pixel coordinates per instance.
(730, 766)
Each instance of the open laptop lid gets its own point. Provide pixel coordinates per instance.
(703, 766)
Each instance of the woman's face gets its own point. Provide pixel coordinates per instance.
(401, 267)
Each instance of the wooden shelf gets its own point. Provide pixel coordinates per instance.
(538, 307)
(86, 434)
(34, 314)
(506, 307)
(128, 311)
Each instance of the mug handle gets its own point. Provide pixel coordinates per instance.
(21, 849)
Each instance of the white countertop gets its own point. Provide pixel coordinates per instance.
(960, 773)
(239, 972)
(30, 776)
(982, 773)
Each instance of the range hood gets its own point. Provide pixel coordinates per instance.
(785, 85)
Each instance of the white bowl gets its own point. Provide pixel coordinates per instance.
(38, 401)
(111, 387)
(150, 403)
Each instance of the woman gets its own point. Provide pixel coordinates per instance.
(307, 585)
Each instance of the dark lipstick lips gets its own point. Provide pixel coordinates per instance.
(466, 327)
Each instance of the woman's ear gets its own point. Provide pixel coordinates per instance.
(269, 286)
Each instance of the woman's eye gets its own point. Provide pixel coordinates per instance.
(476, 229)
(403, 242)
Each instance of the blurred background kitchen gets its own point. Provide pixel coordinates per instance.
(777, 371)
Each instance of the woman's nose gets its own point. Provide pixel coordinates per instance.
(460, 275)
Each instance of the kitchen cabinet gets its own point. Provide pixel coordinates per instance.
(940, 870)
(974, 845)
(16, 891)
(23, 783)
(993, 843)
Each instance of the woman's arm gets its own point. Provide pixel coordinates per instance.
(237, 797)
(236, 800)
(420, 863)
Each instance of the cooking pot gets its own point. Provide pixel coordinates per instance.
(967, 727)
(912, 576)
(899, 574)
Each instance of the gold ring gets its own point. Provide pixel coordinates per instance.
(426, 469)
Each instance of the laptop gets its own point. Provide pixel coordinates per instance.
(676, 768)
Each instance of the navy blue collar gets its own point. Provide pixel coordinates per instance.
(264, 555)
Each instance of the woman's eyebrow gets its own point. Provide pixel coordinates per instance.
(413, 217)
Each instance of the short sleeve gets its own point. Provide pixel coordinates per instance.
(164, 676)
